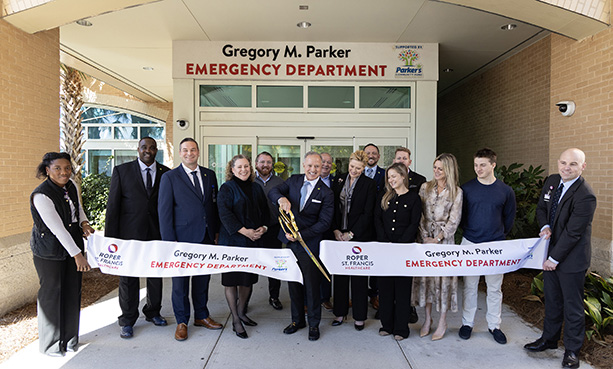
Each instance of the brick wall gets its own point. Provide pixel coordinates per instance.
(29, 118)
(505, 108)
(29, 127)
(582, 71)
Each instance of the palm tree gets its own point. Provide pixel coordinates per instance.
(71, 101)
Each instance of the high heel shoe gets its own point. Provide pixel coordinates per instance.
(242, 334)
(438, 335)
(425, 329)
(336, 323)
(358, 327)
(247, 321)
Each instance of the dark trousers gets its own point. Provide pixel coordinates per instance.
(373, 289)
(564, 303)
(270, 241)
(325, 287)
(395, 304)
(129, 299)
(359, 296)
(58, 304)
(307, 294)
(200, 294)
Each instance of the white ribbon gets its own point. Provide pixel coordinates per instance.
(415, 259)
(133, 258)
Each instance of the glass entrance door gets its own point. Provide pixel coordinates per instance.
(339, 149)
(286, 155)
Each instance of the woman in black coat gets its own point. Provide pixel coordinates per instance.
(57, 244)
(397, 216)
(243, 211)
(354, 204)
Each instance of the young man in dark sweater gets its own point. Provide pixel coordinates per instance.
(488, 213)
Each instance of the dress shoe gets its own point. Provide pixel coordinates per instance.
(383, 332)
(208, 323)
(425, 329)
(327, 305)
(358, 327)
(275, 303)
(247, 321)
(313, 333)
(499, 336)
(374, 301)
(181, 332)
(413, 318)
(440, 332)
(126, 331)
(398, 337)
(242, 334)
(571, 360)
(540, 345)
(465, 332)
(74, 348)
(294, 327)
(336, 322)
(157, 320)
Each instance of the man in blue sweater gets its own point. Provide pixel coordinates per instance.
(488, 213)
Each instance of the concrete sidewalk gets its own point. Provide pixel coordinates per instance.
(267, 347)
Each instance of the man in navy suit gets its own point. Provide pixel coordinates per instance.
(132, 214)
(312, 203)
(403, 155)
(373, 170)
(565, 211)
(188, 213)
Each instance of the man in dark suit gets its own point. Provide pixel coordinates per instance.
(312, 203)
(565, 211)
(188, 213)
(373, 170)
(132, 214)
(403, 155)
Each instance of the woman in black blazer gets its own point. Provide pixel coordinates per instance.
(243, 211)
(354, 203)
(397, 216)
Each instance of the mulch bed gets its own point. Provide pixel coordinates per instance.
(517, 285)
(19, 327)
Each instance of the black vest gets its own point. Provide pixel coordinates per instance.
(43, 242)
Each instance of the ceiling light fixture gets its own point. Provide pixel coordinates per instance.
(84, 23)
(508, 27)
(447, 70)
(304, 24)
(148, 68)
(303, 7)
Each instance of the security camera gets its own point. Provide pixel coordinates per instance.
(567, 108)
(182, 124)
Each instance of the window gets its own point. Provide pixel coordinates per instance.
(331, 97)
(375, 97)
(113, 135)
(225, 96)
(279, 96)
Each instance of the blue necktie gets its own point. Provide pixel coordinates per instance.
(303, 194)
(370, 172)
(554, 204)
(197, 184)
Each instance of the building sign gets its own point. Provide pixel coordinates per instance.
(237, 60)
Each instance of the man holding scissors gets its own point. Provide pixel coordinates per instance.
(312, 204)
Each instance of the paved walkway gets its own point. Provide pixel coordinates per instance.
(267, 347)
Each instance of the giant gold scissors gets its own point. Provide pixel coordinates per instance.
(288, 224)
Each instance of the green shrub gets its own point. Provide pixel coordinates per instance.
(95, 193)
(527, 185)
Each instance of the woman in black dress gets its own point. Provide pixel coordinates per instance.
(243, 211)
(397, 216)
(57, 244)
(354, 205)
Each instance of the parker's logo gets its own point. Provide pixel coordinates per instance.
(410, 61)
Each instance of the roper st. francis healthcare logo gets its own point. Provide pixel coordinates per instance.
(357, 260)
(110, 259)
(408, 55)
